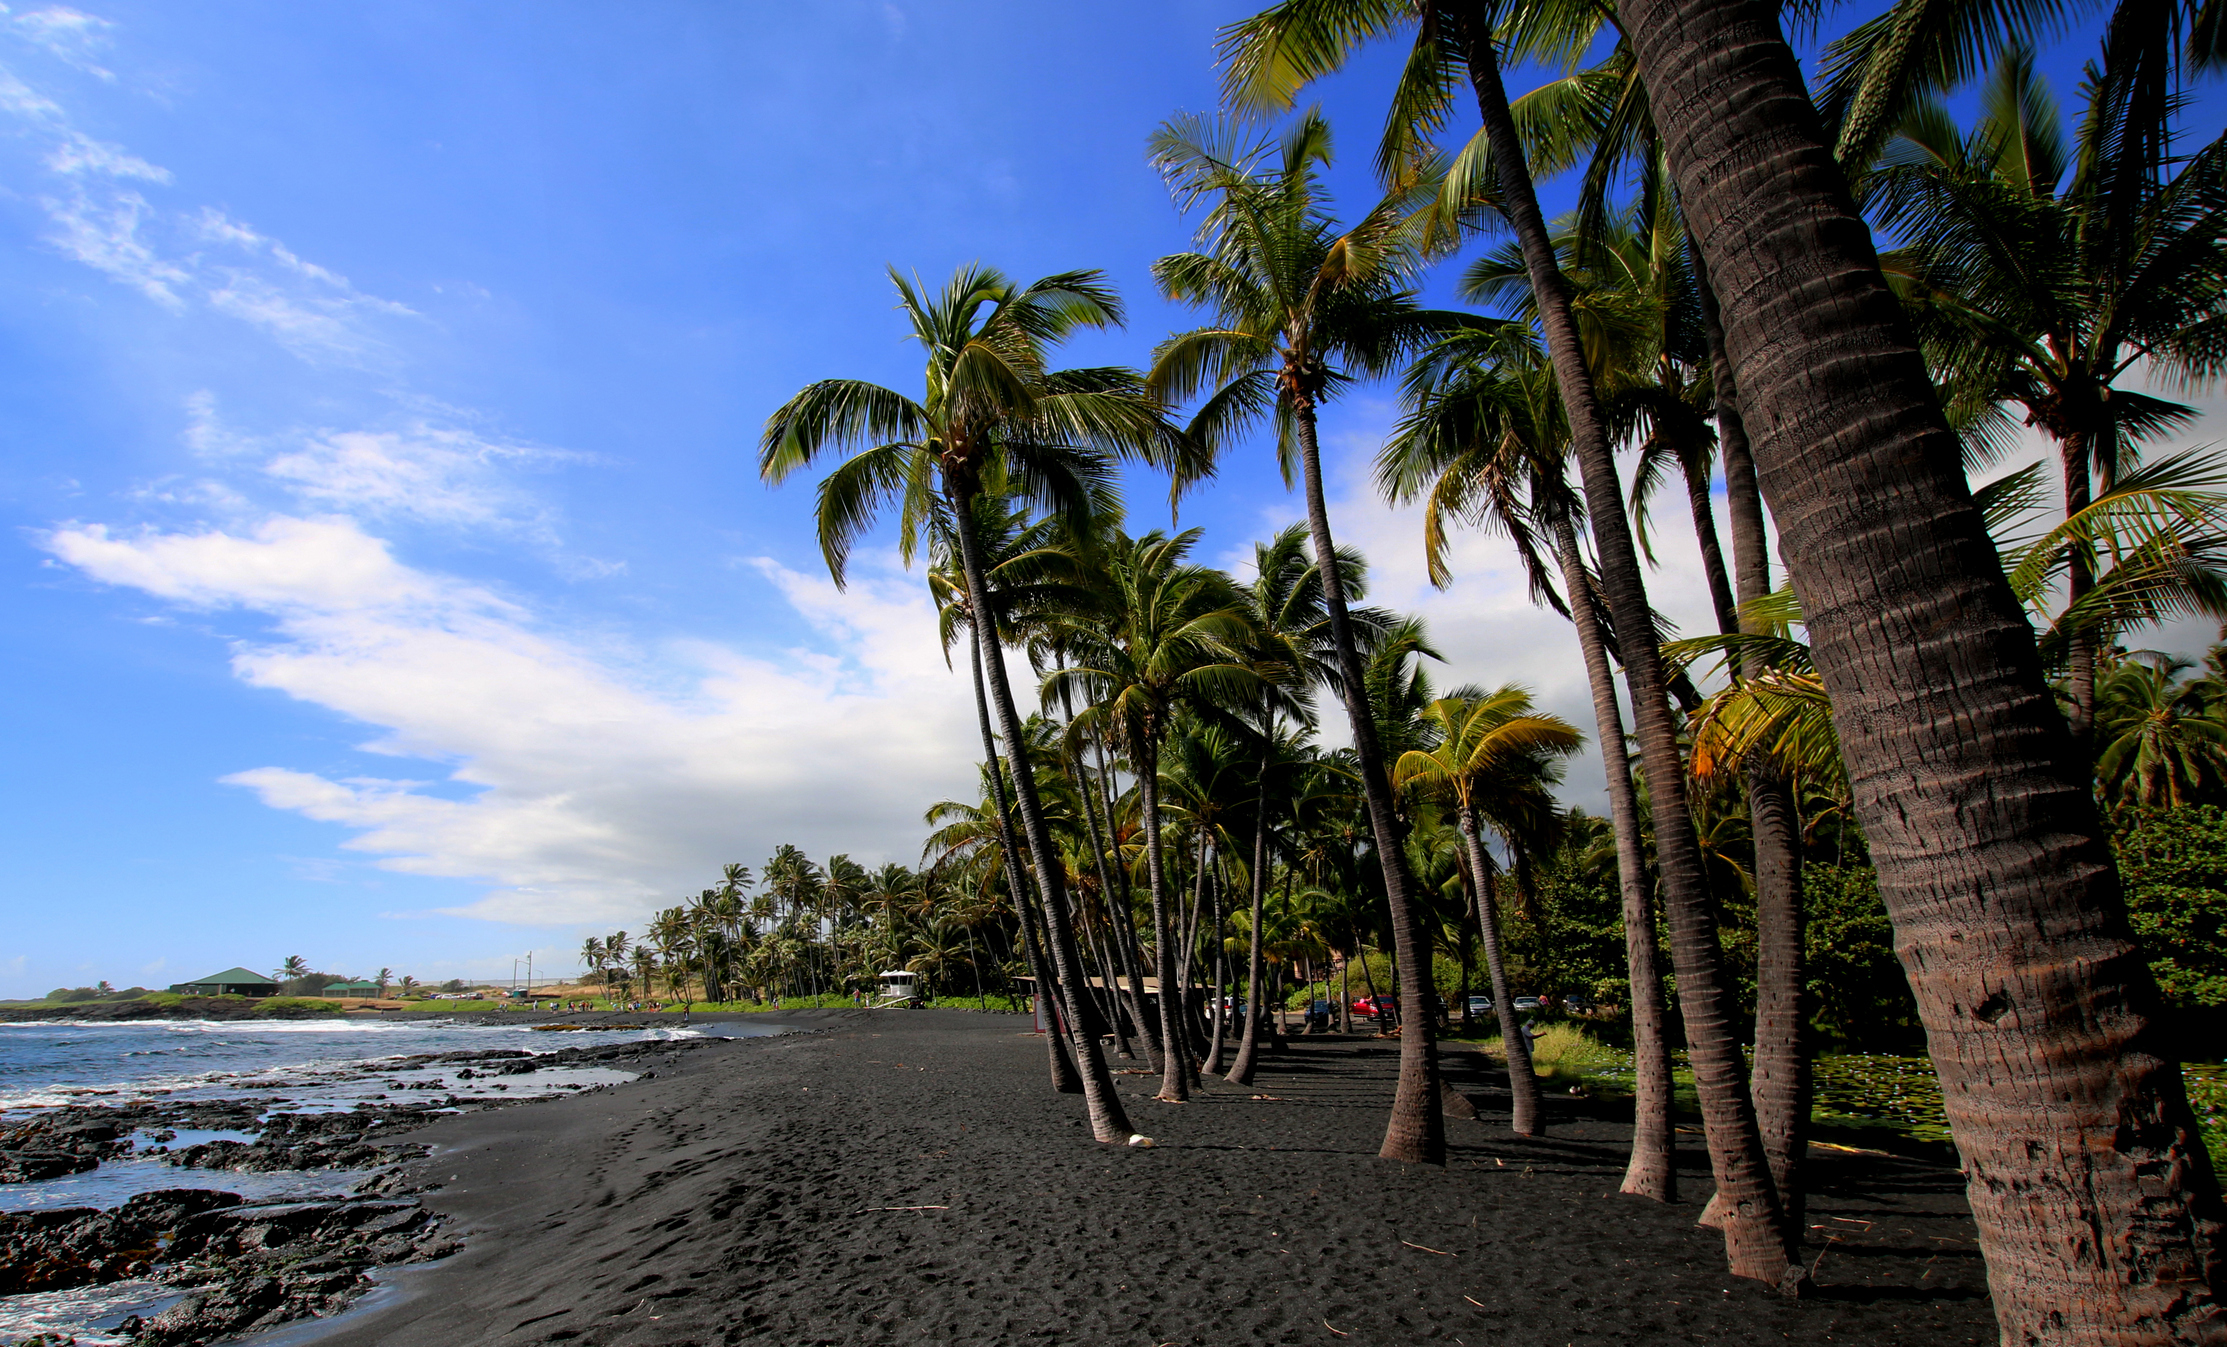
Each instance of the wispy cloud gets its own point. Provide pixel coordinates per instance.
(578, 788)
(186, 257)
(69, 35)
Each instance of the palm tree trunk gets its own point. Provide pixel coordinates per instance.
(1782, 1081)
(1696, 473)
(1064, 1078)
(1175, 1054)
(1416, 1131)
(1125, 938)
(2080, 577)
(1220, 961)
(1108, 1121)
(1653, 1171)
(2096, 1207)
(1242, 1072)
(1188, 963)
(1525, 1118)
(1084, 789)
(1757, 1242)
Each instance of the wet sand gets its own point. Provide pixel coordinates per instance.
(909, 1177)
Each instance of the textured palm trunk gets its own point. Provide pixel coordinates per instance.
(2093, 1198)
(1195, 1025)
(1242, 1072)
(1653, 1169)
(1416, 1131)
(1705, 536)
(1125, 938)
(1782, 1081)
(1175, 1054)
(1108, 1121)
(1213, 1064)
(1110, 945)
(2080, 577)
(1064, 1078)
(1525, 1117)
(1756, 1239)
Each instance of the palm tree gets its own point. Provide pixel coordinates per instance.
(1171, 637)
(295, 967)
(2158, 746)
(591, 957)
(993, 415)
(1484, 443)
(1989, 852)
(2036, 279)
(1016, 557)
(1276, 52)
(1302, 309)
(1291, 632)
(1483, 741)
(407, 985)
(386, 975)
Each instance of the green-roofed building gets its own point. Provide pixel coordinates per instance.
(350, 989)
(230, 982)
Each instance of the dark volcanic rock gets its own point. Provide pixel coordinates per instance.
(49, 1147)
(52, 1249)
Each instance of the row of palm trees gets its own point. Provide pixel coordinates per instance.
(1717, 302)
(798, 929)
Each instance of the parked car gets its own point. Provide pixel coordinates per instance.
(1377, 1005)
(1527, 1004)
(1480, 1005)
(1579, 1005)
(1318, 1017)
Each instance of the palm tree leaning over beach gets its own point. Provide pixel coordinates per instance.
(993, 415)
(1301, 310)
(1485, 742)
(1990, 856)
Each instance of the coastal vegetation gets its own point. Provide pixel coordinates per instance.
(1921, 783)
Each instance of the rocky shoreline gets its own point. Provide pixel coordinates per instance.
(246, 1265)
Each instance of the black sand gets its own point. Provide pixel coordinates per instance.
(733, 1198)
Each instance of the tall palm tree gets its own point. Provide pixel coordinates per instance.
(1291, 631)
(2062, 1095)
(1274, 54)
(992, 414)
(1022, 563)
(1484, 443)
(1482, 742)
(2037, 280)
(1172, 636)
(1301, 309)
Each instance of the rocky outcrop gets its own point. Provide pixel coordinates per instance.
(48, 1148)
(55, 1248)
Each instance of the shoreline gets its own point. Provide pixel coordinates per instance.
(193, 1230)
(908, 1176)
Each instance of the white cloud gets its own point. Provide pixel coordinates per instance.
(585, 781)
(102, 230)
(81, 154)
(185, 258)
(71, 35)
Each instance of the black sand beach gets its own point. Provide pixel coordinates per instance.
(907, 1177)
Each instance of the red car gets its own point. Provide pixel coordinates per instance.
(1377, 1005)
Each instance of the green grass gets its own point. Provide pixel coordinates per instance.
(1567, 1056)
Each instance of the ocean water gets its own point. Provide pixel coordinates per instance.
(308, 1062)
(293, 1066)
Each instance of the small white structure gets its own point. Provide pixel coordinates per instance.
(899, 988)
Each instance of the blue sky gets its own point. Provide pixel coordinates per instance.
(387, 579)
